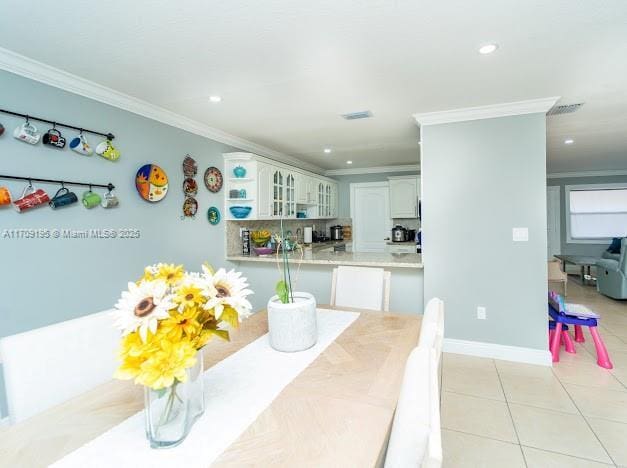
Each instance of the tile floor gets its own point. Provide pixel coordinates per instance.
(503, 414)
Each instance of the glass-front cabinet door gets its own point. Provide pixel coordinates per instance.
(290, 196)
(278, 193)
(327, 200)
(320, 199)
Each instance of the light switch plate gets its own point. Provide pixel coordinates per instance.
(520, 234)
(481, 313)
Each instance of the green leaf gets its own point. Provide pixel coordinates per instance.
(282, 292)
(229, 315)
(224, 334)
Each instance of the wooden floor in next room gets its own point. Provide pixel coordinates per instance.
(503, 414)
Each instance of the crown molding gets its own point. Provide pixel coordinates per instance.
(373, 170)
(564, 175)
(531, 106)
(34, 70)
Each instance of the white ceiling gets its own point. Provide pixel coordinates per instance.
(286, 69)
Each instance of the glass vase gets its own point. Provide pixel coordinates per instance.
(171, 412)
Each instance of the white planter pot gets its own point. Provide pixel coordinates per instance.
(292, 326)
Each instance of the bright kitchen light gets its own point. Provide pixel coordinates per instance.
(215, 98)
(349, 162)
(569, 141)
(327, 150)
(488, 49)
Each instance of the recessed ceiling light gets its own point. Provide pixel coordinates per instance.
(569, 141)
(349, 162)
(215, 98)
(488, 49)
(327, 150)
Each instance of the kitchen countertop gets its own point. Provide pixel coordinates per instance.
(400, 243)
(328, 257)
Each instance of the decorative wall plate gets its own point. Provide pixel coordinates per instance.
(213, 179)
(151, 182)
(190, 187)
(190, 168)
(213, 215)
(190, 207)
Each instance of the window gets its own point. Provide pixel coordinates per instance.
(596, 213)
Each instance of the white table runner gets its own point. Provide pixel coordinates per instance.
(237, 390)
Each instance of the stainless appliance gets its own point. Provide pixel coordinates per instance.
(336, 233)
(399, 233)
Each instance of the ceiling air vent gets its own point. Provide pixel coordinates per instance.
(565, 109)
(357, 115)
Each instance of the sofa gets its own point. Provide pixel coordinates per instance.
(612, 273)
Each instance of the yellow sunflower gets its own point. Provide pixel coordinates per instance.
(180, 324)
(133, 352)
(170, 273)
(188, 296)
(167, 365)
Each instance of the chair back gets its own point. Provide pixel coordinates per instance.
(432, 327)
(49, 365)
(361, 288)
(415, 439)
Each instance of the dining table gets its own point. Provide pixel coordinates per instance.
(337, 412)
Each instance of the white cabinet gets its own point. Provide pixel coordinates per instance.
(404, 193)
(275, 190)
(290, 195)
(264, 193)
(334, 200)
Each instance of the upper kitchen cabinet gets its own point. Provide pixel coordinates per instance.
(404, 193)
(275, 190)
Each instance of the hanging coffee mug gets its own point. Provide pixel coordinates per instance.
(27, 133)
(5, 196)
(31, 197)
(109, 200)
(54, 138)
(91, 199)
(108, 151)
(63, 197)
(79, 144)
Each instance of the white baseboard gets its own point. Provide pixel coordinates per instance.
(497, 351)
(4, 422)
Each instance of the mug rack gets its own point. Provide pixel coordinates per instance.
(30, 180)
(108, 136)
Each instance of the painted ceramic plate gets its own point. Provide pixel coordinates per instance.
(213, 179)
(190, 187)
(151, 182)
(190, 207)
(213, 215)
(190, 168)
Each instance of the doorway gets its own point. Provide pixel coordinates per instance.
(370, 212)
(553, 221)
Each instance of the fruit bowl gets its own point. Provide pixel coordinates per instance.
(263, 250)
(240, 212)
(260, 238)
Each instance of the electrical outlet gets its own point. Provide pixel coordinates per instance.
(241, 231)
(481, 313)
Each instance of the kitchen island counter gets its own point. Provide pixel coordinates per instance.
(326, 257)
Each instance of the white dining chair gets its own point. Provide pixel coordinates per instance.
(432, 327)
(415, 439)
(361, 288)
(49, 365)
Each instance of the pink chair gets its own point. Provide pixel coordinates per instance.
(579, 316)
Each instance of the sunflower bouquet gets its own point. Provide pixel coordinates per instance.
(167, 316)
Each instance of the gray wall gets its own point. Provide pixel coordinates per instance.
(346, 180)
(43, 281)
(480, 179)
(594, 250)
